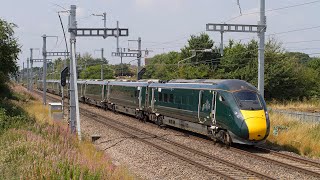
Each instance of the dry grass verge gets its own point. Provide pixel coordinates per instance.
(298, 136)
(311, 106)
(42, 149)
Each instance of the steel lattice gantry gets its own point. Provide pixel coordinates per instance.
(104, 32)
(235, 28)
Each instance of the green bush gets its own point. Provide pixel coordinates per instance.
(12, 116)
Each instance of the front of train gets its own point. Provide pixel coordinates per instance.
(253, 113)
(248, 111)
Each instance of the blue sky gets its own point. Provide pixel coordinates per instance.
(163, 25)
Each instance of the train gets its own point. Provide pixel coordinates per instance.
(228, 111)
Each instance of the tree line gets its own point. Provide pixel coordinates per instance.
(288, 75)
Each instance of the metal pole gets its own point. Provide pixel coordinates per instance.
(102, 63)
(74, 103)
(53, 70)
(118, 36)
(221, 45)
(121, 65)
(31, 63)
(105, 19)
(139, 57)
(44, 54)
(72, 94)
(28, 78)
(261, 36)
(39, 75)
(22, 72)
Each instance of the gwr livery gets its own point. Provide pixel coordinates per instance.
(231, 111)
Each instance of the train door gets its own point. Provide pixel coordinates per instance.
(205, 105)
(139, 94)
(152, 101)
(102, 93)
(214, 108)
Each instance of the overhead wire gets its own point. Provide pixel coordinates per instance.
(274, 9)
(268, 10)
(179, 39)
(272, 34)
(64, 33)
(58, 6)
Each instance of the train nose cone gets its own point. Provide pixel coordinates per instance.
(256, 123)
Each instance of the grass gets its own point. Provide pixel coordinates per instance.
(304, 106)
(300, 137)
(34, 147)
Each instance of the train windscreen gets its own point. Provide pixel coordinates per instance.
(248, 100)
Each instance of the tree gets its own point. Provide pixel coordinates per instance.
(175, 65)
(9, 51)
(286, 77)
(200, 42)
(301, 57)
(314, 63)
(94, 72)
(122, 70)
(163, 66)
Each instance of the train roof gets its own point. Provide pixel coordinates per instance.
(50, 81)
(149, 80)
(207, 84)
(96, 82)
(129, 84)
(209, 81)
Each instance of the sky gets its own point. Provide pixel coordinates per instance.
(163, 25)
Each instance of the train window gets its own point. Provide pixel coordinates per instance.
(160, 97)
(248, 100)
(171, 98)
(166, 99)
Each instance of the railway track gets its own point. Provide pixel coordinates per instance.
(290, 162)
(217, 165)
(220, 166)
(306, 164)
(298, 164)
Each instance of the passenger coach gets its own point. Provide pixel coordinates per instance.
(226, 110)
(231, 111)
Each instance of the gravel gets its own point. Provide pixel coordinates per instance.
(149, 163)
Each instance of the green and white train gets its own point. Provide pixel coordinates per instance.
(231, 111)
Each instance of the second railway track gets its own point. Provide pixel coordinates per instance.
(234, 171)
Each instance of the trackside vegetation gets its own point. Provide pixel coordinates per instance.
(34, 147)
(293, 135)
(288, 75)
(306, 105)
(31, 145)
